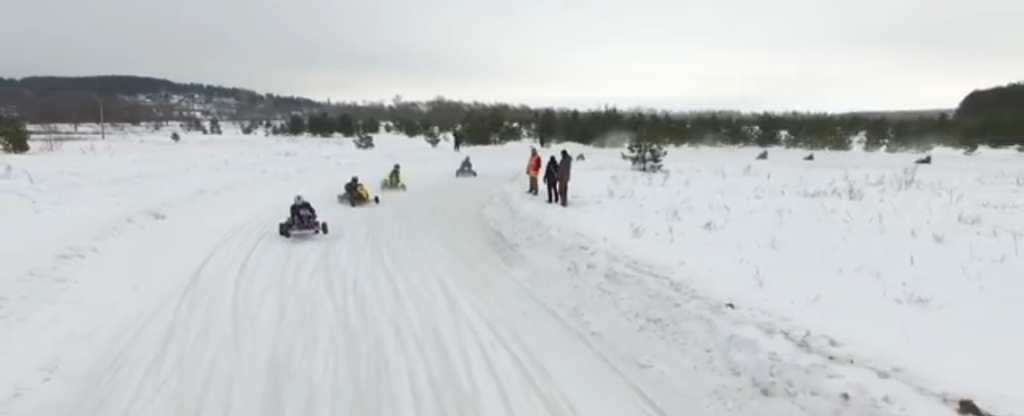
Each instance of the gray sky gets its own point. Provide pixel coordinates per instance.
(741, 54)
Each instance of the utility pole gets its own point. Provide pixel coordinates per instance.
(103, 122)
(99, 102)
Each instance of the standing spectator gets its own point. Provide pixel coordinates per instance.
(551, 179)
(457, 139)
(533, 171)
(564, 169)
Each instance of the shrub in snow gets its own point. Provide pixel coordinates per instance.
(13, 136)
(645, 155)
(432, 136)
(175, 137)
(250, 127)
(51, 137)
(968, 407)
(927, 160)
(194, 124)
(364, 141)
(580, 157)
(215, 127)
(762, 156)
(809, 158)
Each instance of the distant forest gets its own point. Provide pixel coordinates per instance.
(133, 99)
(993, 116)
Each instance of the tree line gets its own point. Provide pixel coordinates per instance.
(992, 117)
(600, 127)
(135, 100)
(987, 117)
(109, 86)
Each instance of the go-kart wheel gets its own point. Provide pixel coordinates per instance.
(323, 227)
(376, 199)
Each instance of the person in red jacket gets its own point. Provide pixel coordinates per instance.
(533, 171)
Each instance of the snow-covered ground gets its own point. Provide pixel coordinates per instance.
(896, 271)
(144, 277)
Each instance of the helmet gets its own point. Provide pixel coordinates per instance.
(397, 166)
(298, 199)
(355, 179)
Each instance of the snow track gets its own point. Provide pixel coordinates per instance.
(404, 309)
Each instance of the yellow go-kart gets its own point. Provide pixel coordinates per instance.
(361, 196)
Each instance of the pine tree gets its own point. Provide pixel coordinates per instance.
(321, 125)
(346, 125)
(546, 127)
(370, 125)
(296, 125)
(645, 153)
(13, 136)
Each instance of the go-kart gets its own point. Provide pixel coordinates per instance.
(386, 185)
(465, 171)
(307, 224)
(362, 197)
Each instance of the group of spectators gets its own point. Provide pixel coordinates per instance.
(556, 176)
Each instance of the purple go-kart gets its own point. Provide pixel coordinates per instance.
(307, 224)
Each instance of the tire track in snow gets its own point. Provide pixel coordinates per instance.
(403, 309)
(735, 362)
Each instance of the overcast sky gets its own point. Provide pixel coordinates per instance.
(830, 55)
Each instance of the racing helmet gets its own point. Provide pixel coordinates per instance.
(298, 199)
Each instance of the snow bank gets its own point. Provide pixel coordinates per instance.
(911, 271)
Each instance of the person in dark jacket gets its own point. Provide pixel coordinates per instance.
(551, 179)
(352, 189)
(299, 208)
(564, 171)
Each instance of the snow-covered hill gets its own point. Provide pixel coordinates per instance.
(145, 277)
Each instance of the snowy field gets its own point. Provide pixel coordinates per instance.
(896, 271)
(145, 277)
